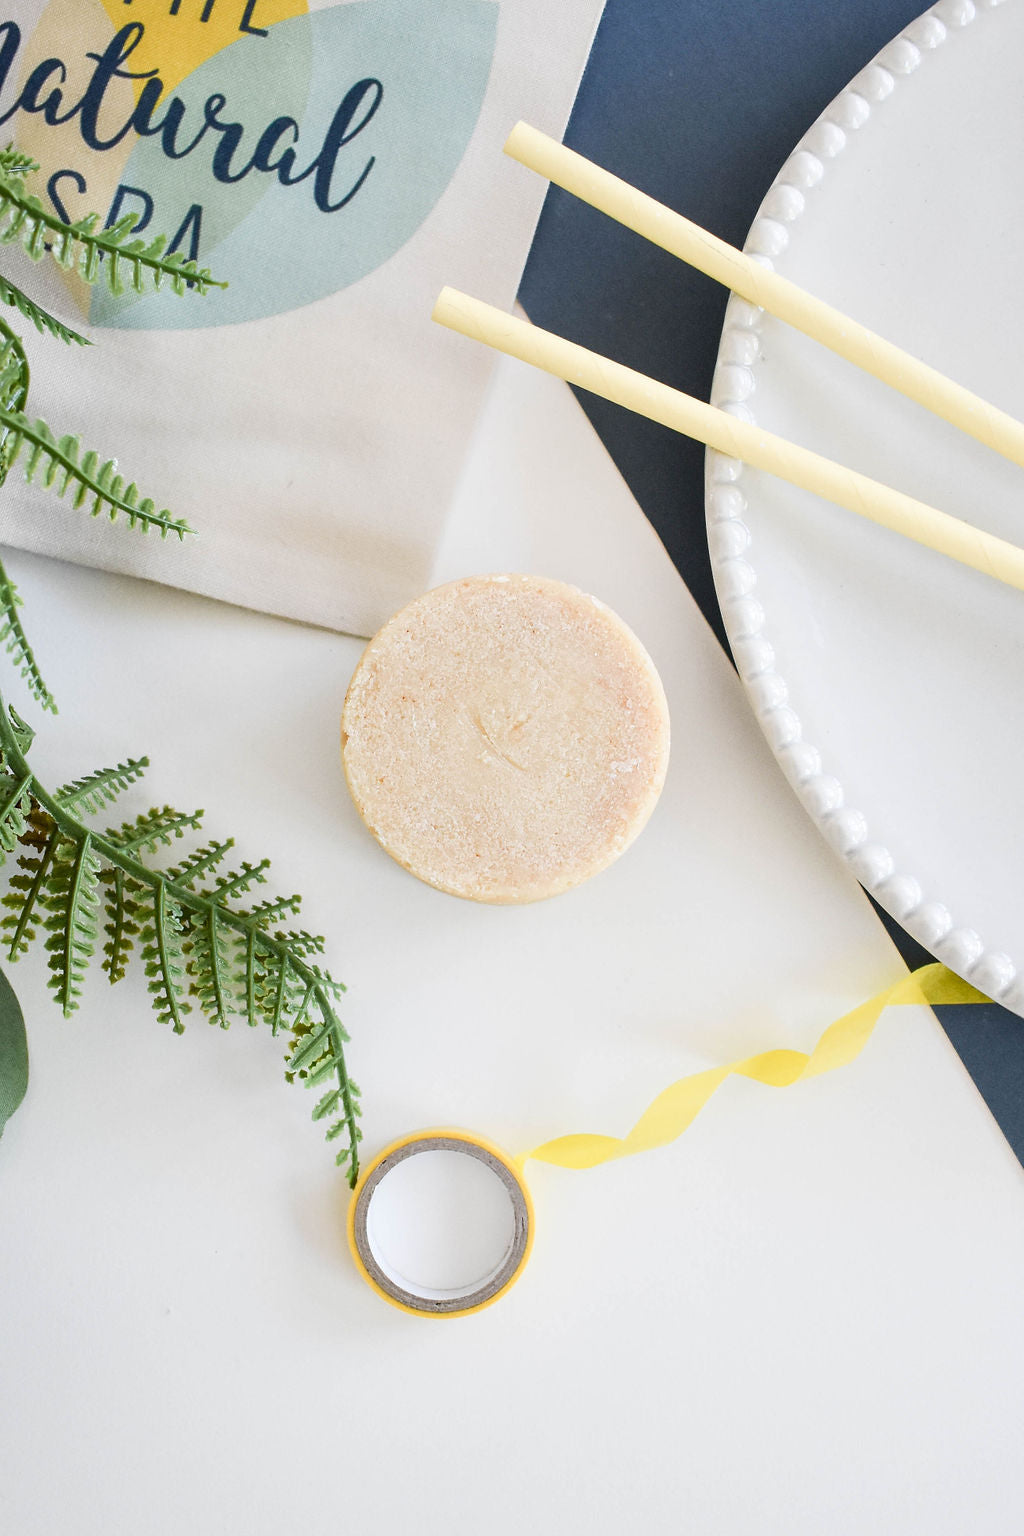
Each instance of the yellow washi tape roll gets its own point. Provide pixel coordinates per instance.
(424, 1301)
(665, 1119)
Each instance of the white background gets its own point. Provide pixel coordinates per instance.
(804, 1317)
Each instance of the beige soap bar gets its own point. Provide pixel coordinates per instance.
(505, 737)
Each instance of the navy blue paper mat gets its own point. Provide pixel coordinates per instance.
(699, 102)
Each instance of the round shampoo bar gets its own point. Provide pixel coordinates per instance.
(505, 737)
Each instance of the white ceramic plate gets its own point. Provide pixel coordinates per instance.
(890, 681)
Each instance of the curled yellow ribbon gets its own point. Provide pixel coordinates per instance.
(678, 1106)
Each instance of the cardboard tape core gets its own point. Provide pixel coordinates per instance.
(421, 1295)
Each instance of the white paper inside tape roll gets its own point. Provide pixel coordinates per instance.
(441, 1235)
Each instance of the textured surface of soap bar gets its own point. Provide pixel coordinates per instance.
(505, 737)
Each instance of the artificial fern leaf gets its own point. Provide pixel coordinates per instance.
(15, 808)
(273, 983)
(14, 162)
(318, 1053)
(276, 990)
(247, 979)
(240, 881)
(92, 252)
(125, 918)
(14, 374)
(41, 318)
(188, 871)
(100, 484)
(21, 732)
(153, 828)
(83, 248)
(164, 959)
(72, 897)
(328, 1104)
(27, 887)
(301, 942)
(192, 941)
(15, 641)
(211, 966)
(267, 912)
(14, 382)
(102, 788)
(309, 1049)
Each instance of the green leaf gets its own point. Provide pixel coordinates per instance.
(190, 939)
(240, 881)
(22, 733)
(92, 253)
(15, 641)
(164, 959)
(72, 897)
(265, 913)
(15, 806)
(154, 828)
(14, 162)
(14, 372)
(125, 918)
(40, 844)
(41, 318)
(13, 1053)
(102, 487)
(188, 871)
(211, 968)
(101, 788)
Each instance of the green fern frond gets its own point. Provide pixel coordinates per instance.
(21, 731)
(192, 941)
(101, 788)
(24, 898)
(153, 829)
(14, 162)
(164, 959)
(14, 382)
(327, 1105)
(266, 913)
(277, 988)
(15, 641)
(94, 253)
(317, 1050)
(41, 318)
(240, 881)
(301, 942)
(126, 916)
(15, 808)
(199, 863)
(310, 1046)
(14, 372)
(71, 895)
(211, 964)
(99, 484)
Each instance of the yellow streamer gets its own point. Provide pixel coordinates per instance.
(663, 1121)
(678, 1106)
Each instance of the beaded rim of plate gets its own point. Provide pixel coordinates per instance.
(844, 826)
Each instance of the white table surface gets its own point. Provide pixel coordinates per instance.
(804, 1317)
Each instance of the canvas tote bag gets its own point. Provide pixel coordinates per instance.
(336, 164)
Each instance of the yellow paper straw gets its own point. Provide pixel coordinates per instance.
(678, 1106)
(846, 487)
(758, 284)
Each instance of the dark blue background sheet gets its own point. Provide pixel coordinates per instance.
(699, 102)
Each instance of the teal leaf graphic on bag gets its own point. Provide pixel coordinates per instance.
(319, 150)
(13, 1053)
